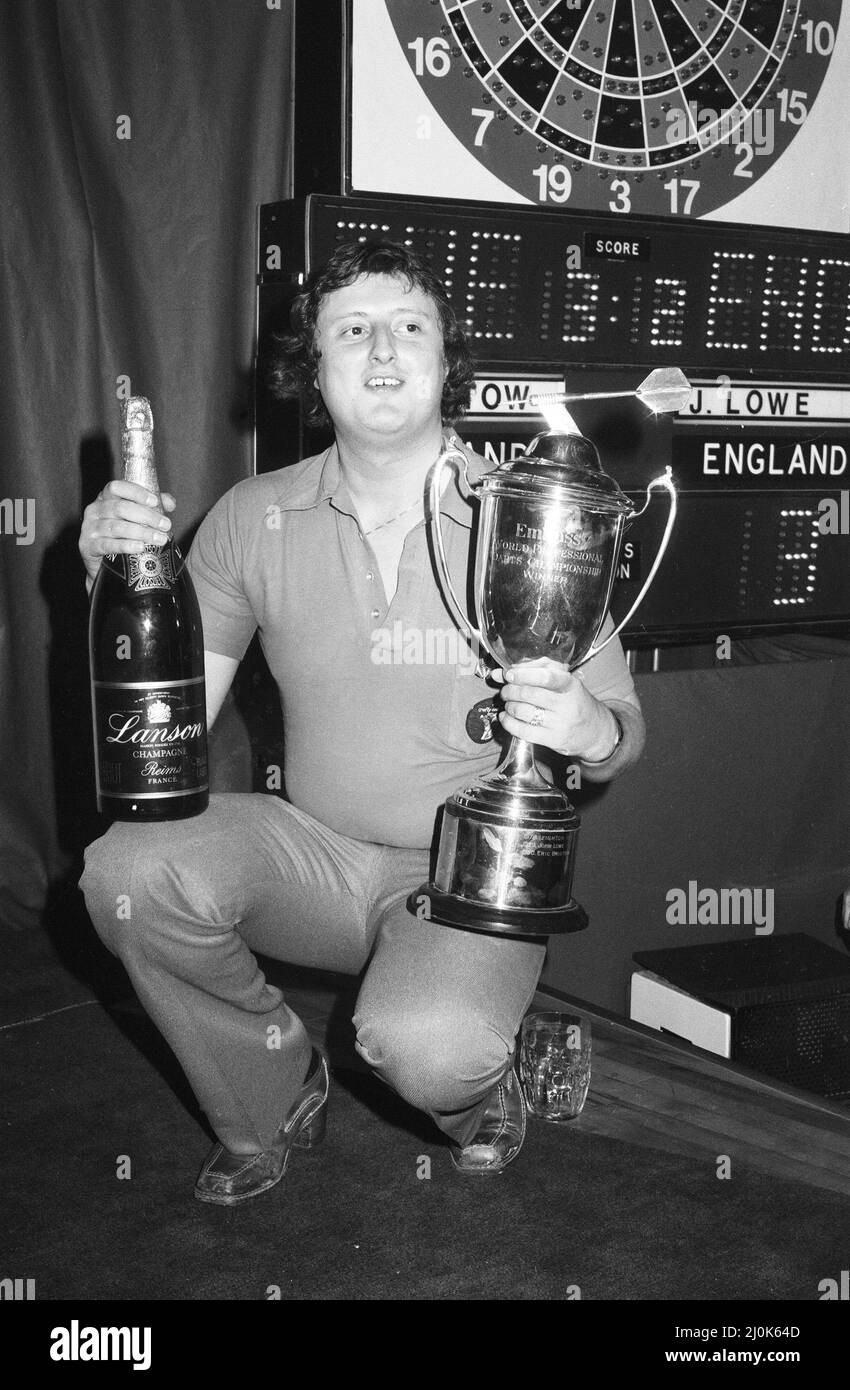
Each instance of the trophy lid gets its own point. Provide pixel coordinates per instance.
(561, 460)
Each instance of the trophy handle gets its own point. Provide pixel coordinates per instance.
(664, 480)
(435, 492)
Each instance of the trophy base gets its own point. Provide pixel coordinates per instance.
(506, 853)
(450, 910)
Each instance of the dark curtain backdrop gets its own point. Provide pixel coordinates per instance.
(121, 258)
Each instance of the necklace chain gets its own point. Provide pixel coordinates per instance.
(391, 519)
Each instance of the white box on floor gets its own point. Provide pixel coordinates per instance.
(658, 1004)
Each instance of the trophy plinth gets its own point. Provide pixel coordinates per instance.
(507, 849)
(549, 538)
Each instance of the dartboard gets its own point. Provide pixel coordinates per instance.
(671, 107)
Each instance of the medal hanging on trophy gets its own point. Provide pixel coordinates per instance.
(549, 538)
(481, 720)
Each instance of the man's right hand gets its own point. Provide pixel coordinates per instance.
(122, 519)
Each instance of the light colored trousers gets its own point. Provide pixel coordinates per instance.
(184, 905)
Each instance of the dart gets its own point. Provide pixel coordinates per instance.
(663, 391)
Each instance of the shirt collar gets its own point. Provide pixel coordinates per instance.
(309, 490)
(313, 480)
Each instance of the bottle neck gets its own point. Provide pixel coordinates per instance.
(137, 453)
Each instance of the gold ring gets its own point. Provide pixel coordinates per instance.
(536, 719)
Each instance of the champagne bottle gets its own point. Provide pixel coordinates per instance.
(146, 652)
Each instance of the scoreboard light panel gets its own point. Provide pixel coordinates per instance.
(573, 287)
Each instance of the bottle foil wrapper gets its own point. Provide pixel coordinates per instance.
(137, 450)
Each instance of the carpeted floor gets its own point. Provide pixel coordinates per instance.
(84, 1085)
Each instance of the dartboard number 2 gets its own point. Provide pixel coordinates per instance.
(431, 57)
(554, 183)
(690, 188)
(744, 156)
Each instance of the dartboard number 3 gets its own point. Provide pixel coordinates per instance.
(621, 202)
(431, 57)
(689, 187)
(554, 183)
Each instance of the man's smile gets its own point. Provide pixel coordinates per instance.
(383, 382)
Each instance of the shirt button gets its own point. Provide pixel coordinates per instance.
(376, 613)
(369, 574)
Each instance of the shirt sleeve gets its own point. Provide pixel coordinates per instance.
(216, 564)
(607, 675)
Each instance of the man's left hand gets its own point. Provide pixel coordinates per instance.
(546, 704)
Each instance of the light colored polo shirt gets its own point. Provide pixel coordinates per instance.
(374, 695)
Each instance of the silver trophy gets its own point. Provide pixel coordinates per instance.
(550, 529)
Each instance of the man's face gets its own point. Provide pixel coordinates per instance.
(381, 369)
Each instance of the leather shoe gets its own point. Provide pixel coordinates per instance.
(500, 1135)
(228, 1178)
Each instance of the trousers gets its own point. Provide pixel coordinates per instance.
(185, 904)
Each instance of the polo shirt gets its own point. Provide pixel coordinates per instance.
(375, 695)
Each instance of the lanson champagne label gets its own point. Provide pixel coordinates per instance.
(152, 738)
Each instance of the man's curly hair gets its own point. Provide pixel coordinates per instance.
(292, 368)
